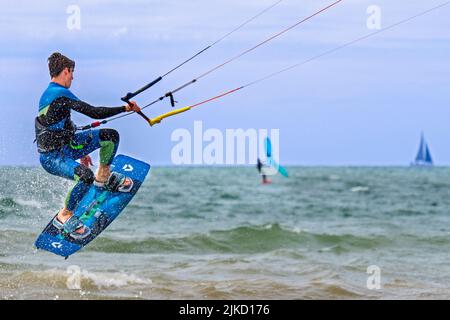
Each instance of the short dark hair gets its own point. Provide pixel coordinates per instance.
(58, 62)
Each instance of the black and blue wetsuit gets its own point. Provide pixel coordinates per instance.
(60, 145)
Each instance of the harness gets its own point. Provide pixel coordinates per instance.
(50, 140)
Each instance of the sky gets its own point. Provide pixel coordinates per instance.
(364, 105)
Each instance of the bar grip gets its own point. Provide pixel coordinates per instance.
(131, 95)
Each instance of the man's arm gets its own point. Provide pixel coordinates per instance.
(91, 111)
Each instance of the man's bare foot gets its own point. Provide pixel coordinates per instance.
(104, 173)
(64, 214)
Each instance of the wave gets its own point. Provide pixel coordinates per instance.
(74, 278)
(19, 206)
(77, 283)
(240, 240)
(230, 196)
(8, 202)
(8, 206)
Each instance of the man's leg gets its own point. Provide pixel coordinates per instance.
(109, 142)
(84, 177)
(64, 166)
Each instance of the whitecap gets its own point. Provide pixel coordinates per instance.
(113, 279)
(29, 203)
(360, 189)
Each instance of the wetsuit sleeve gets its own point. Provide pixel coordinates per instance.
(91, 111)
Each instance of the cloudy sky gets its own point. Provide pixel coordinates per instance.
(364, 105)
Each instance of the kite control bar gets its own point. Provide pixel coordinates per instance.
(151, 122)
(131, 95)
(168, 114)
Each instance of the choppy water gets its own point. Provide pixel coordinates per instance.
(217, 233)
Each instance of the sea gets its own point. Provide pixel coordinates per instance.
(219, 233)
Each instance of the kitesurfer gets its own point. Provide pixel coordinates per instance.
(260, 166)
(60, 145)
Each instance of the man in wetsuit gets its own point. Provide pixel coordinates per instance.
(60, 145)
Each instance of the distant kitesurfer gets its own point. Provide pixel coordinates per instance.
(60, 145)
(260, 166)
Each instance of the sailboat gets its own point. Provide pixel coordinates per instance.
(423, 158)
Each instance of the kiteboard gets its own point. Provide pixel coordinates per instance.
(97, 209)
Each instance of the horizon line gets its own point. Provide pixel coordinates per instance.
(252, 165)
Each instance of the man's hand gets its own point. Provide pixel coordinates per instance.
(132, 106)
(86, 161)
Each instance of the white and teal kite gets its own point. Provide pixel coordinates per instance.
(270, 161)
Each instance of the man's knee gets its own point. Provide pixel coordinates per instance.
(85, 174)
(109, 135)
